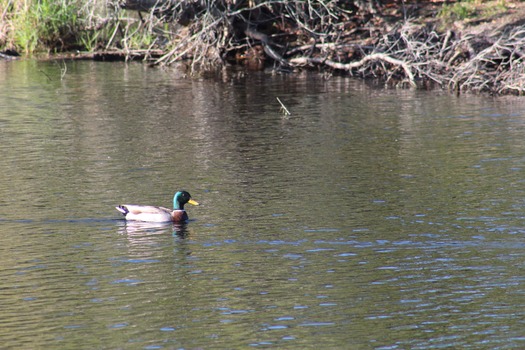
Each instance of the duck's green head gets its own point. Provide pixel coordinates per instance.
(181, 198)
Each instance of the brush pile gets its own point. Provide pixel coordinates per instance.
(338, 36)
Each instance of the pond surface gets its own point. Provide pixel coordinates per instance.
(367, 219)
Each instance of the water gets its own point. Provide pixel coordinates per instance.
(368, 219)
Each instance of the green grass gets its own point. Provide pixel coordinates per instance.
(35, 26)
(468, 9)
(43, 24)
(458, 11)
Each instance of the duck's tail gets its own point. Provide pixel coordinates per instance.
(122, 209)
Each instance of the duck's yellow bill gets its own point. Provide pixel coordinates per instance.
(192, 202)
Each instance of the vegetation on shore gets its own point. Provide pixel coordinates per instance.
(464, 45)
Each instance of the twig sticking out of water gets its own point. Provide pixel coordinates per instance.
(283, 110)
(63, 71)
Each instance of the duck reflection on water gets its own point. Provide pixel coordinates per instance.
(136, 229)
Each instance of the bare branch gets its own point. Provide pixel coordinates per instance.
(353, 65)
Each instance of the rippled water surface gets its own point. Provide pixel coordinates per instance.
(368, 219)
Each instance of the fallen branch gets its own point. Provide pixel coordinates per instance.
(298, 61)
(326, 46)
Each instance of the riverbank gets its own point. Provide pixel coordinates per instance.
(458, 45)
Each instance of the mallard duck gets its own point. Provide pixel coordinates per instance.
(159, 214)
